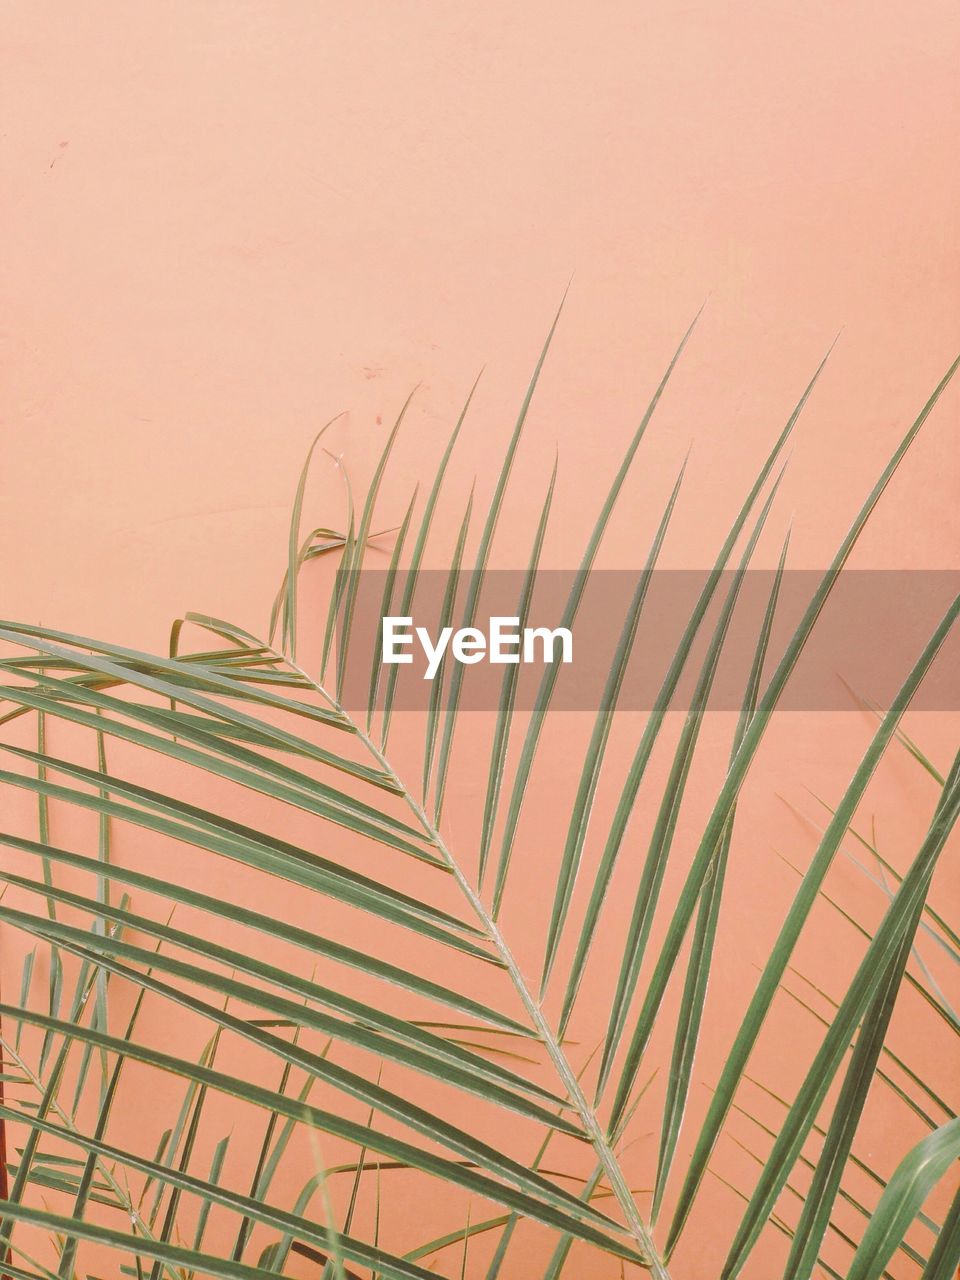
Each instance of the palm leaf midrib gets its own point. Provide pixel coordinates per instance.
(593, 1129)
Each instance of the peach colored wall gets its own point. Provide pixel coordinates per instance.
(225, 222)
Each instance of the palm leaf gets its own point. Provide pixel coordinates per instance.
(701, 954)
(292, 778)
(916, 1175)
(877, 979)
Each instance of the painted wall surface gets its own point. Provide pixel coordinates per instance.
(223, 223)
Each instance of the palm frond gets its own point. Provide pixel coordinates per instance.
(325, 1002)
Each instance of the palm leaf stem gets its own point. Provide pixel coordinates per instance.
(588, 1117)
